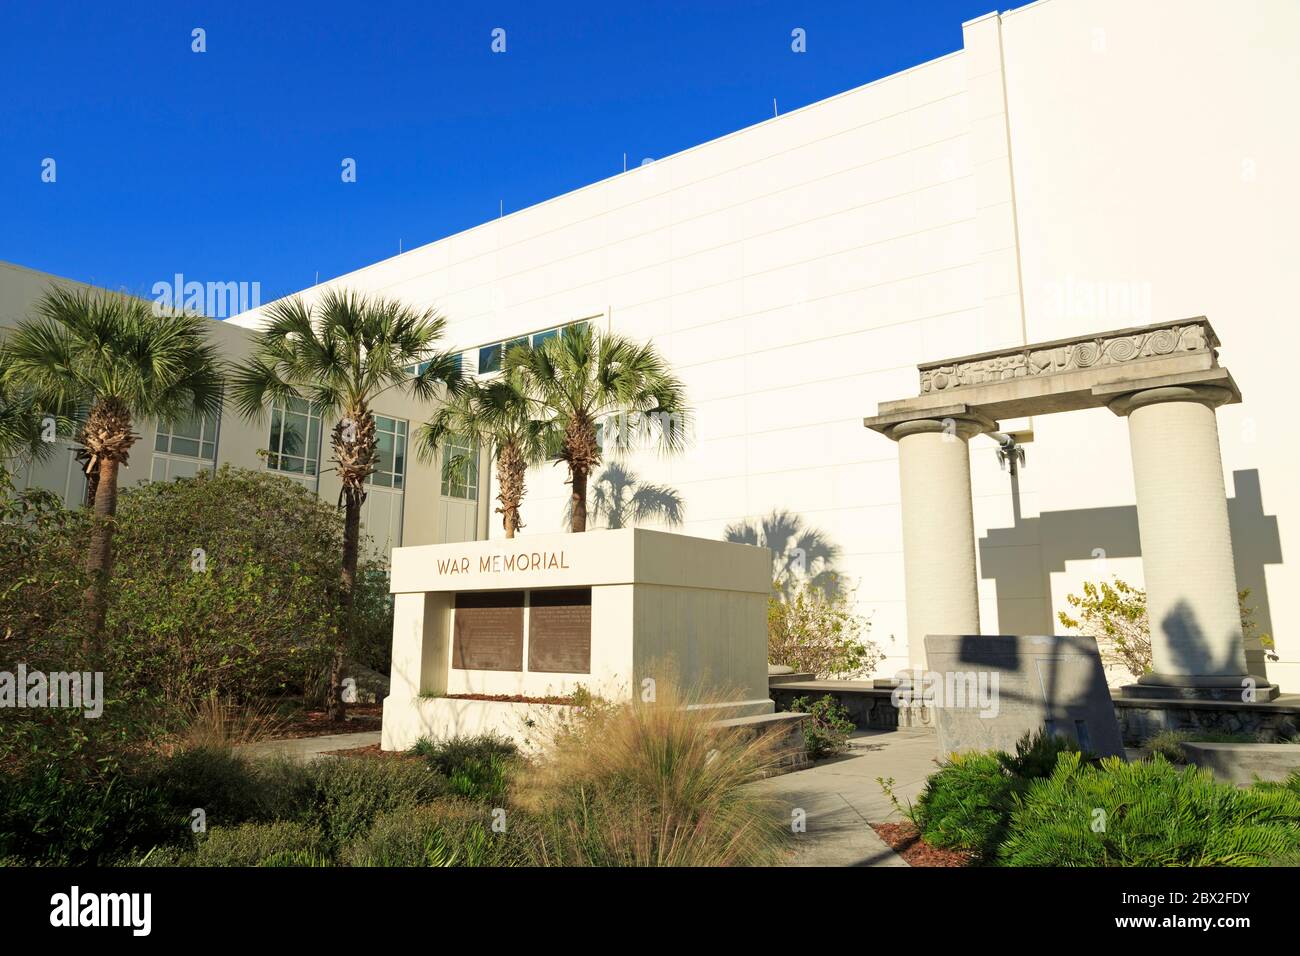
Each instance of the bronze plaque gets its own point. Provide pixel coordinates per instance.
(559, 631)
(489, 631)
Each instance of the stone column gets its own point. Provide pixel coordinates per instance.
(938, 528)
(1197, 648)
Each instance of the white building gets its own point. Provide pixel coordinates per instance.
(1078, 166)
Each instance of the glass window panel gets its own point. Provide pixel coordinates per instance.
(382, 479)
(275, 429)
(489, 358)
(384, 450)
(160, 443)
(294, 437)
(189, 428)
(209, 450)
(541, 337)
(185, 446)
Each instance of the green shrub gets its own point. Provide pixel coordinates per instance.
(477, 768)
(57, 815)
(1037, 753)
(1116, 615)
(968, 803)
(827, 729)
(815, 630)
(1149, 813)
(441, 834)
(282, 843)
(965, 805)
(350, 792)
(220, 782)
(1168, 744)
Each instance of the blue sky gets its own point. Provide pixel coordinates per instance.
(225, 165)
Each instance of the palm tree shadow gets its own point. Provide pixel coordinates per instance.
(800, 554)
(619, 498)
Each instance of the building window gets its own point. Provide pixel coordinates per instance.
(295, 438)
(460, 468)
(490, 356)
(390, 444)
(458, 359)
(192, 437)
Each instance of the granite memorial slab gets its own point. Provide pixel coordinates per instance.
(988, 691)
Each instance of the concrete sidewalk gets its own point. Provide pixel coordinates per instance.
(304, 749)
(841, 797)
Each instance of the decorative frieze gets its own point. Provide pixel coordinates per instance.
(1070, 355)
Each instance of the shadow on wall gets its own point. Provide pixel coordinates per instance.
(1022, 558)
(618, 498)
(800, 554)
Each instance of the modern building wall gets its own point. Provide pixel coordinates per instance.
(418, 512)
(1079, 165)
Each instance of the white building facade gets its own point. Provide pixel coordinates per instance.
(1078, 166)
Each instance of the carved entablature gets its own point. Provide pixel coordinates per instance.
(1071, 355)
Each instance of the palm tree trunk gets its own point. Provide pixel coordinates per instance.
(99, 558)
(512, 472)
(335, 706)
(579, 520)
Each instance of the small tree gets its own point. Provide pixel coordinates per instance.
(341, 354)
(582, 377)
(818, 633)
(110, 356)
(1116, 615)
(498, 414)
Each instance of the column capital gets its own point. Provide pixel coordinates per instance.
(1211, 396)
(962, 421)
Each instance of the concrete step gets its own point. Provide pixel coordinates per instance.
(789, 677)
(788, 728)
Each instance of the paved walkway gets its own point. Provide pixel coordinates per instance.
(841, 796)
(309, 748)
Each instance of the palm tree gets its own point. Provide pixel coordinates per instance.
(26, 430)
(341, 354)
(501, 415)
(800, 554)
(620, 499)
(109, 356)
(582, 377)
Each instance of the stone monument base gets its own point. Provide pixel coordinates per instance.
(500, 636)
(1176, 687)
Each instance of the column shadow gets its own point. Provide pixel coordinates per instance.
(1021, 559)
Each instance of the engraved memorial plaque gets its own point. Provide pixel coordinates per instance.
(488, 634)
(559, 631)
(992, 689)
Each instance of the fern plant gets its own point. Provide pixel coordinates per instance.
(1149, 813)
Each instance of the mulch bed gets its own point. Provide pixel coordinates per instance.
(313, 723)
(905, 840)
(513, 698)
